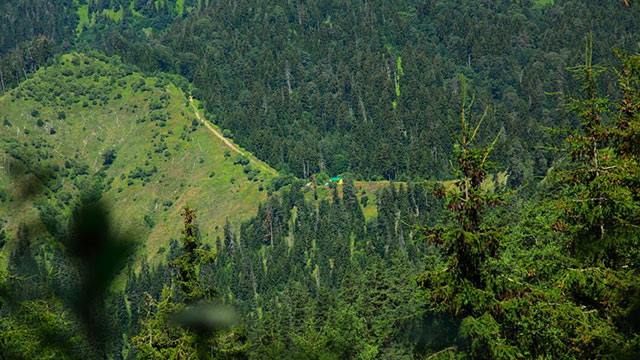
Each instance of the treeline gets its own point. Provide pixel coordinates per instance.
(32, 32)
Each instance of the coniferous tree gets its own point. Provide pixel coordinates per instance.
(187, 263)
(354, 211)
(600, 211)
(468, 241)
(462, 286)
(188, 325)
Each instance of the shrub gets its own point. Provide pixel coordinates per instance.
(148, 221)
(241, 160)
(108, 157)
(156, 105)
(364, 200)
(282, 180)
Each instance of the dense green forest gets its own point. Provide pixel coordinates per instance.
(307, 86)
(132, 226)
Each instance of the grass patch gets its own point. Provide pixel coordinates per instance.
(115, 15)
(133, 10)
(83, 18)
(539, 4)
(180, 7)
(86, 107)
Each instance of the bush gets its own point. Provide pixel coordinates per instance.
(364, 200)
(4, 195)
(159, 116)
(241, 160)
(108, 157)
(148, 221)
(322, 178)
(156, 105)
(140, 173)
(282, 181)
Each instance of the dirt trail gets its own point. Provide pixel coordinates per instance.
(226, 141)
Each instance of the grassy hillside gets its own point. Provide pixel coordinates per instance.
(89, 117)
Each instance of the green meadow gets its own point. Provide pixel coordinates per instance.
(90, 117)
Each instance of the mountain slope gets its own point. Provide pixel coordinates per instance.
(306, 86)
(90, 117)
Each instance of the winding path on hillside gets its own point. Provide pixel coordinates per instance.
(226, 141)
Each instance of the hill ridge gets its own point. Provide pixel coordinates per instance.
(264, 166)
(88, 115)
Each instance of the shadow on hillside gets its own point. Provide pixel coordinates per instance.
(79, 260)
(62, 271)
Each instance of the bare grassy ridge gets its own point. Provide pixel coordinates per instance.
(71, 114)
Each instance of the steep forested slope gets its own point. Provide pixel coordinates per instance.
(33, 31)
(91, 119)
(357, 86)
(365, 86)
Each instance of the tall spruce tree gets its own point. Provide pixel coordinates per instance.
(599, 207)
(187, 264)
(463, 285)
(190, 325)
(467, 241)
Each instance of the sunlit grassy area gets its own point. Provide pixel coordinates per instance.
(172, 161)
